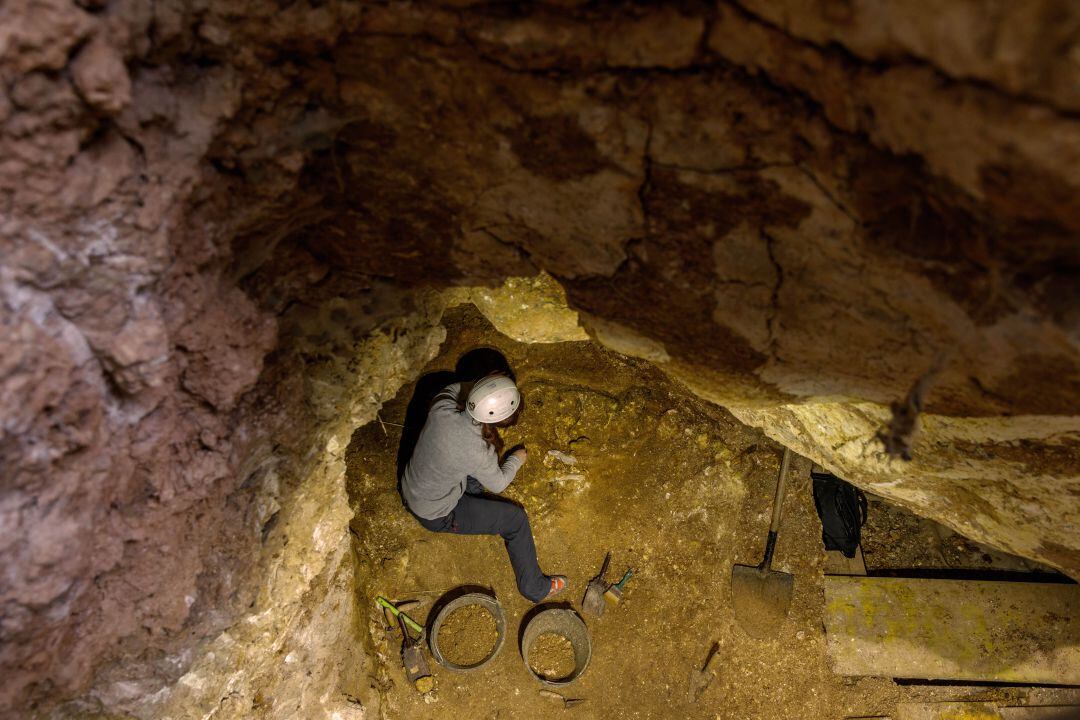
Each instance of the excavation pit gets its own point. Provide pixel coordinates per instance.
(674, 486)
(670, 484)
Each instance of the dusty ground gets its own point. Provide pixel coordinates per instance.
(894, 538)
(676, 488)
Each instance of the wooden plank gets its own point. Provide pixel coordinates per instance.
(836, 563)
(983, 711)
(954, 629)
(947, 711)
(1038, 696)
(1042, 712)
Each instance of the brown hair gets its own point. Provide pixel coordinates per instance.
(490, 433)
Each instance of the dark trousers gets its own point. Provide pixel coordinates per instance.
(477, 514)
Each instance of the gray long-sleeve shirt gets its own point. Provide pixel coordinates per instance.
(449, 449)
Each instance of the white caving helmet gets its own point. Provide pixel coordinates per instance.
(493, 399)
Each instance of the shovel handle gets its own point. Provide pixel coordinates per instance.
(603, 568)
(778, 504)
(407, 640)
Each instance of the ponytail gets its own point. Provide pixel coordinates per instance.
(491, 436)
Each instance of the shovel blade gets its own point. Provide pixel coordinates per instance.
(761, 599)
(699, 681)
(415, 663)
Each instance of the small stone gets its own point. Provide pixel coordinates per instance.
(101, 76)
(563, 457)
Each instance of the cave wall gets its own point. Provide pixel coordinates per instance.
(797, 231)
(134, 457)
(212, 213)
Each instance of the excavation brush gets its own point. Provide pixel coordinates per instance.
(760, 595)
(613, 595)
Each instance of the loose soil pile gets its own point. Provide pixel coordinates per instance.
(552, 657)
(467, 635)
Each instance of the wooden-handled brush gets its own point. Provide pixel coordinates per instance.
(614, 593)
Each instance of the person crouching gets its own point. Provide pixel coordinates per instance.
(457, 458)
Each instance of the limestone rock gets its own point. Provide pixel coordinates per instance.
(101, 77)
(1025, 49)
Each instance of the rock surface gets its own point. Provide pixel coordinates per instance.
(218, 222)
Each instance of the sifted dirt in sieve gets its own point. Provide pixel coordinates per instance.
(552, 657)
(467, 635)
(676, 488)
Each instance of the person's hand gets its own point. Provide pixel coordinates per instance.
(521, 453)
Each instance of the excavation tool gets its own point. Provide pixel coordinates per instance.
(566, 702)
(593, 603)
(760, 595)
(387, 605)
(700, 679)
(413, 660)
(412, 649)
(614, 592)
(403, 606)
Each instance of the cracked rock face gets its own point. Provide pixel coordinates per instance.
(228, 231)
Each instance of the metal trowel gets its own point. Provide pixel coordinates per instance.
(593, 602)
(700, 678)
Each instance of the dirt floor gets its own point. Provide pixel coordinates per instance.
(677, 489)
(895, 539)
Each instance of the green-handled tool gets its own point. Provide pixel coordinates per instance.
(412, 650)
(386, 604)
(614, 593)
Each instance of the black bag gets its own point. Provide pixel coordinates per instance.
(842, 509)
